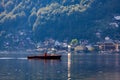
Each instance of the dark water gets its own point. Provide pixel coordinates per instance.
(15, 66)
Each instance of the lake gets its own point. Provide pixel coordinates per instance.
(72, 66)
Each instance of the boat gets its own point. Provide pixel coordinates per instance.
(45, 56)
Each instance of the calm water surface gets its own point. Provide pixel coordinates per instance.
(15, 66)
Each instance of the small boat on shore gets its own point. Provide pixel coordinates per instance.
(45, 56)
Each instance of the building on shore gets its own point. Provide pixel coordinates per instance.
(109, 45)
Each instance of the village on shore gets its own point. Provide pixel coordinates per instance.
(82, 46)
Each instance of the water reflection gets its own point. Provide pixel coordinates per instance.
(117, 60)
(69, 66)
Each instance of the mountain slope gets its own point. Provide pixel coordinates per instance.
(27, 21)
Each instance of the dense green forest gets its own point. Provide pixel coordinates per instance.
(30, 21)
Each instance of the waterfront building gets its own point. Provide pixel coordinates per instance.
(109, 45)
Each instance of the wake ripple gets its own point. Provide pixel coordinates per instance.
(8, 58)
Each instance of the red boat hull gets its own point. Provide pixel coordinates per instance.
(45, 57)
